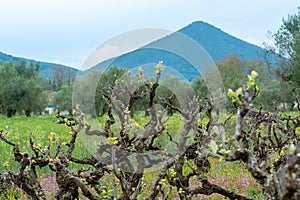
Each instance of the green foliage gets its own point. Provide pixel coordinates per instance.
(287, 46)
(231, 69)
(105, 81)
(234, 70)
(21, 89)
(271, 96)
(172, 91)
(63, 98)
(200, 88)
(60, 77)
(88, 89)
(84, 91)
(273, 92)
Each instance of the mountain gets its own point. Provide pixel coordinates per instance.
(219, 44)
(46, 69)
(215, 42)
(175, 50)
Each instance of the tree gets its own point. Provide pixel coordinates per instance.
(273, 92)
(231, 70)
(61, 76)
(89, 87)
(8, 99)
(286, 45)
(172, 92)
(21, 89)
(84, 91)
(200, 87)
(63, 98)
(105, 81)
(34, 98)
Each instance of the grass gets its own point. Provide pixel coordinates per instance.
(232, 176)
(19, 129)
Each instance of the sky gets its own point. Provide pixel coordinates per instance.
(67, 31)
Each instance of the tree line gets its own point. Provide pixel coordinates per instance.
(23, 90)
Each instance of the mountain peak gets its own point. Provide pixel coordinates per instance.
(200, 23)
(216, 42)
(219, 44)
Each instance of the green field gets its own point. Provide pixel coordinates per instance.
(231, 176)
(19, 129)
